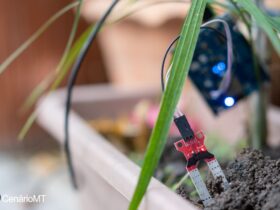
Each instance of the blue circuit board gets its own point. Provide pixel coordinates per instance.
(210, 64)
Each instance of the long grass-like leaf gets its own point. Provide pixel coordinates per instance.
(181, 63)
(132, 10)
(37, 92)
(35, 36)
(45, 83)
(73, 53)
(71, 37)
(277, 19)
(262, 21)
(42, 87)
(275, 22)
(54, 79)
(27, 125)
(220, 4)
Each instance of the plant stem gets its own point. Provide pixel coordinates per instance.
(257, 122)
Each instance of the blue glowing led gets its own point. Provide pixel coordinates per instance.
(219, 68)
(229, 101)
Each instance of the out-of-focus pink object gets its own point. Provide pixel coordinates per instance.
(152, 117)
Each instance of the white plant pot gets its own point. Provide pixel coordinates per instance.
(106, 177)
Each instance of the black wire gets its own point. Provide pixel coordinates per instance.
(70, 85)
(164, 59)
(221, 35)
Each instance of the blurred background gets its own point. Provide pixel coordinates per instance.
(127, 54)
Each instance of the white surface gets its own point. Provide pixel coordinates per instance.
(104, 174)
(18, 177)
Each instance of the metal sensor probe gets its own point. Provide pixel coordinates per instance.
(193, 147)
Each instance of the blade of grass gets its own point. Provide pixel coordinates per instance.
(262, 21)
(180, 182)
(71, 37)
(181, 63)
(242, 15)
(220, 4)
(277, 19)
(54, 79)
(275, 23)
(45, 83)
(37, 92)
(35, 36)
(257, 124)
(132, 10)
(27, 125)
(74, 52)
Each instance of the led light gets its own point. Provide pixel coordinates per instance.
(219, 68)
(229, 101)
(215, 70)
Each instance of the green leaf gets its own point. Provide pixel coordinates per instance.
(27, 125)
(275, 22)
(37, 92)
(181, 63)
(42, 87)
(72, 36)
(222, 5)
(262, 21)
(73, 53)
(35, 36)
(277, 19)
(71, 57)
(133, 8)
(45, 83)
(61, 71)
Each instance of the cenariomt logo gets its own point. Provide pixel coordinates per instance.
(5, 198)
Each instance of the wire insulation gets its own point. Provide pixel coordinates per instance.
(70, 85)
(227, 78)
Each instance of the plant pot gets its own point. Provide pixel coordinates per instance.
(133, 48)
(106, 177)
(103, 172)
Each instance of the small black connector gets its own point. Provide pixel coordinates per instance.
(184, 127)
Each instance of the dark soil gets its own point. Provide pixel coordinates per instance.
(184, 193)
(254, 183)
(273, 152)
